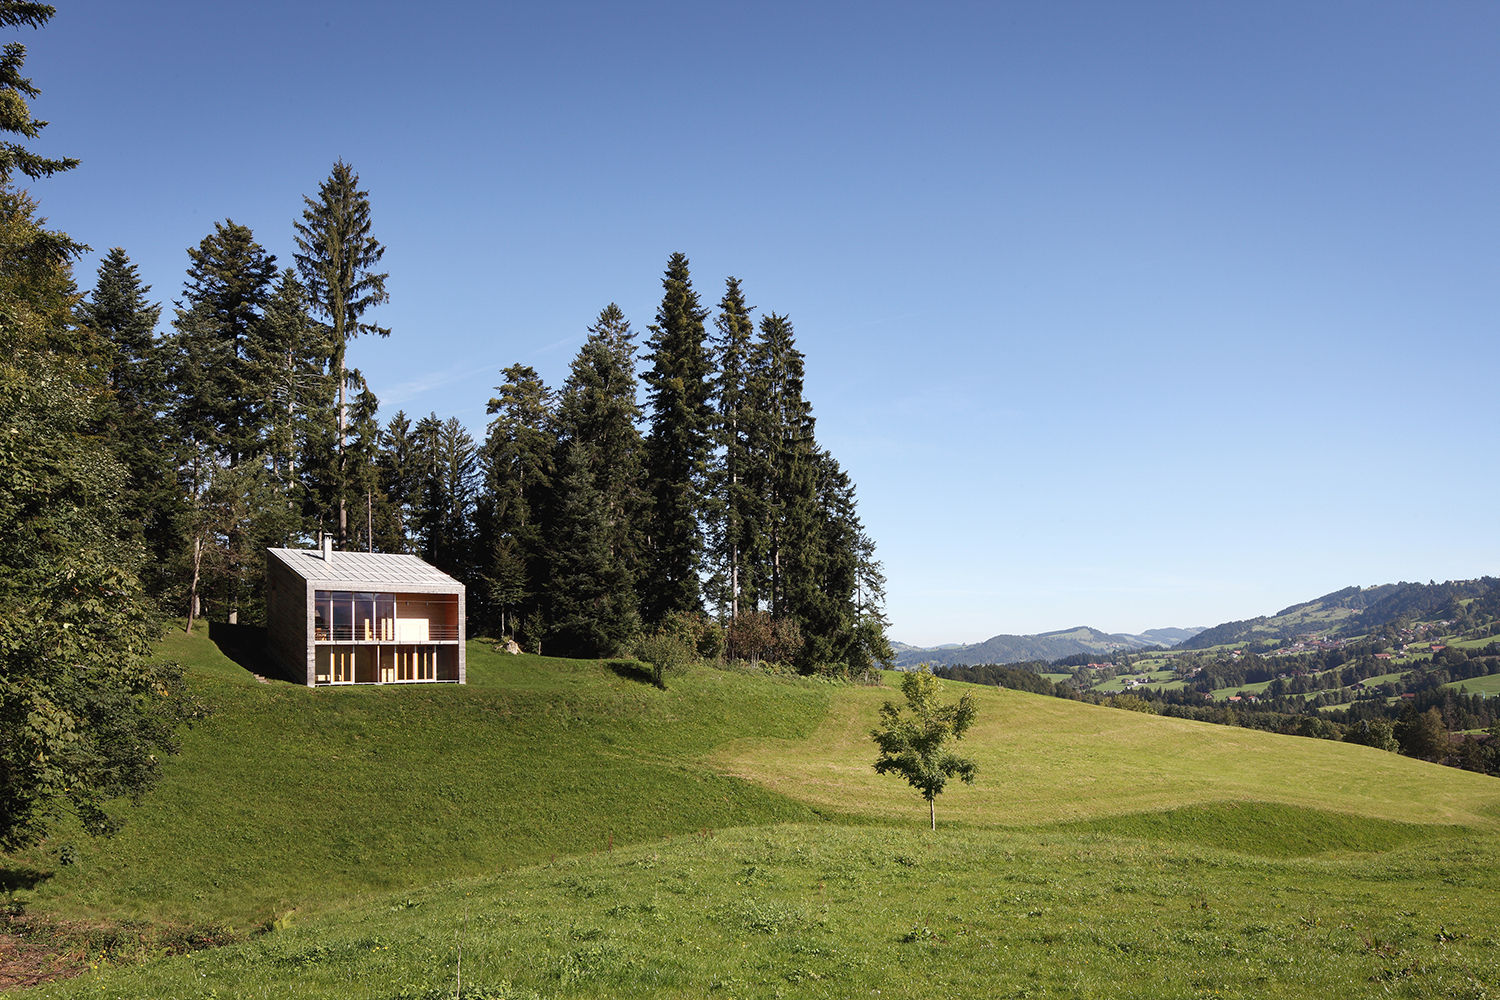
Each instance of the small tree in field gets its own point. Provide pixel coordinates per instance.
(913, 739)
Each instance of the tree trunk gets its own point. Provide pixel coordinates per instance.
(193, 589)
(932, 811)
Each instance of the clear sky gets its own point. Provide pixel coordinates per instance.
(1119, 314)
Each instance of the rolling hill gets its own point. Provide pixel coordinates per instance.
(561, 828)
(1355, 611)
(1045, 646)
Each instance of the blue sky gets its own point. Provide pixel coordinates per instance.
(1127, 315)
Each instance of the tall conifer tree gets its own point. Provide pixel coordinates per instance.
(217, 412)
(735, 510)
(132, 422)
(518, 460)
(677, 448)
(336, 256)
(596, 540)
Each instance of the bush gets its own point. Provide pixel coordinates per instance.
(663, 653)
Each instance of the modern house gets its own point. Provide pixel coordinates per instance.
(363, 618)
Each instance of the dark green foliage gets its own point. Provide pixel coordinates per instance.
(596, 537)
(592, 602)
(914, 739)
(1422, 734)
(677, 447)
(399, 478)
(287, 357)
(1001, 676)
(85, 713)
(448, 479)
(218, 414)
(217, 406)
(737, 514)
(15, 90)
(132, 422)
(517, 460)
(336, 256)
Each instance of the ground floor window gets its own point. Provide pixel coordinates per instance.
(385, 664)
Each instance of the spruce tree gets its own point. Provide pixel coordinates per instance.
(218, 415)
(735, 509)
(595, 537)
(447, 488)
(286, 355)
(228, 285)
(597, 408)
(591, 602)
(132, 421)
(15, 113)
(677, 447)
(336, 256)
(781, 468)
(398, 476)
(518, 463)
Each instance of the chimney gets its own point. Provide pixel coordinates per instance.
(328, 548)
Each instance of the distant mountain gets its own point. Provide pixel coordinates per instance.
(1046, 646)
(1355, 611)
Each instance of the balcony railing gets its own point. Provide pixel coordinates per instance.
(382, 632)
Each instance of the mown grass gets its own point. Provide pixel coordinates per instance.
(1044, 760)
(829, 911)
(1488, 686)
(289, 798)
(577, 833)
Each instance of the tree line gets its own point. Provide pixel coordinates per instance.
(584, 518)
(145, 466)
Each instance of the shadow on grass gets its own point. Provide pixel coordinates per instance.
(12, 879)
(246, 645)
(634, 670)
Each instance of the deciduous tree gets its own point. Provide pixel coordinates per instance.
(914, 739)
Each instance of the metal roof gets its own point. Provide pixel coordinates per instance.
(366, 570)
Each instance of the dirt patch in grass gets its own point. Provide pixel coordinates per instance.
(25, 962)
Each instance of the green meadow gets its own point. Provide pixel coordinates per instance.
(563, 829)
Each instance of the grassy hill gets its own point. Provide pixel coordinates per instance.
(574, 832)
(1355, 611)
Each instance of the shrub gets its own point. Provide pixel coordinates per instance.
(663, 652)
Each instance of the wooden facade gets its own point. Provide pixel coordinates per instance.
(363, 618)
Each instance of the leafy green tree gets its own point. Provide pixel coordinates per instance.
(86, 712)
(914, 739)
(1422, 734)
(677, 447)
(336, 256)
(664, 652)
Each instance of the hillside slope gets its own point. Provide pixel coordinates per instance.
(1355, 611)
(290, 798)
(405, 839)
